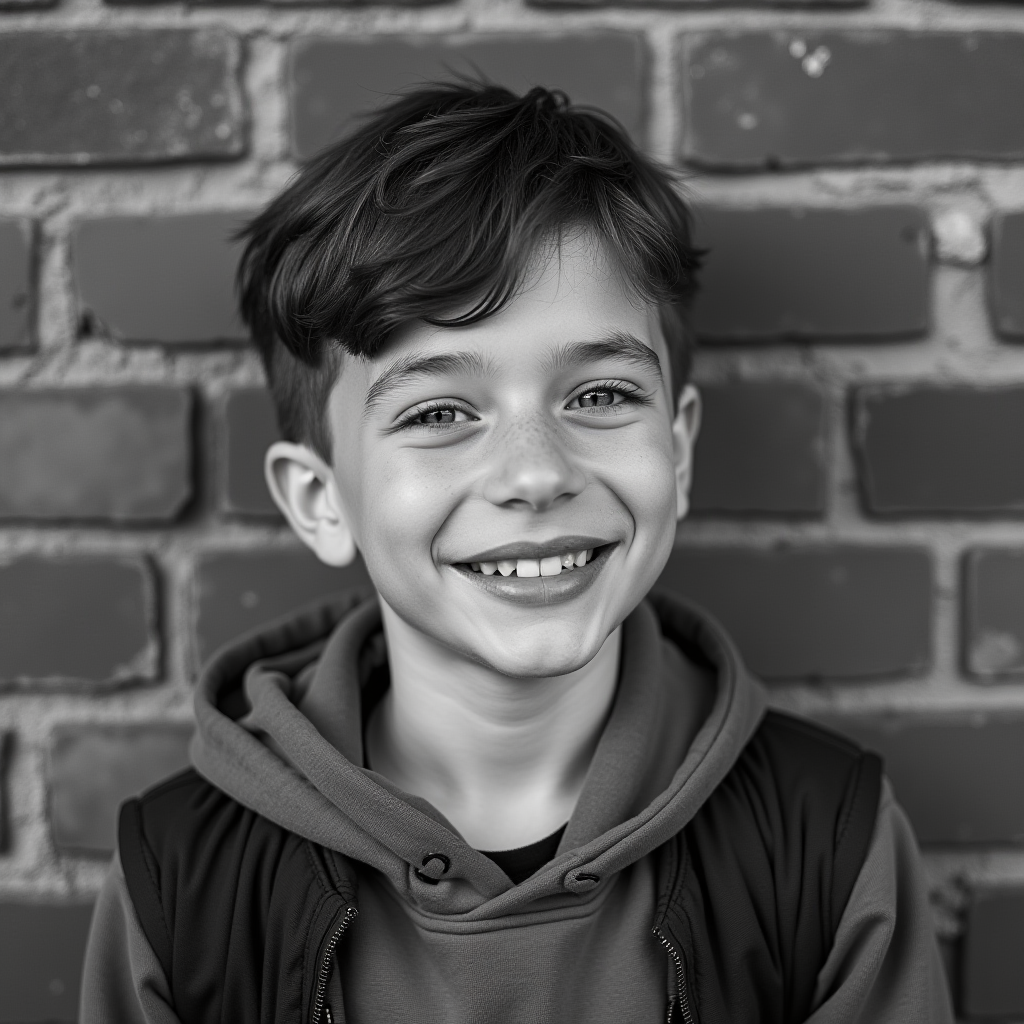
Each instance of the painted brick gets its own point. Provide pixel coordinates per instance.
(940, 450)
(78, 619)
(95, 768)
(993, 983)
(790, 97)
(160, 279)
(41, 950)
(819, 274)
(760, 450)
(1006, 278)
(15, 284)
(119, 97)
(840, 612)
(994, 612)
(332, 79)
(238, 590)
(960, 780)
(117, 454)
(250, 427)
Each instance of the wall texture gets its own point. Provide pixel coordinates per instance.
(859, 502)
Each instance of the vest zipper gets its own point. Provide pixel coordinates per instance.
(684, 1001)
(325, 964)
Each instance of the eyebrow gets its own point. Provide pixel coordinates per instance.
(411, 368)
(621, 345)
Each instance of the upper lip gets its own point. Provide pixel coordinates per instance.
(533, 549)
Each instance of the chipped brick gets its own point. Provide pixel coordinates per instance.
(160, 279)
(790, 98)
(994, 612)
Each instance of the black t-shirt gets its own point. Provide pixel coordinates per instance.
(522, 862)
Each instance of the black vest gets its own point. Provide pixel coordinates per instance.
(244, 916)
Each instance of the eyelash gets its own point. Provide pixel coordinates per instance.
(630, 393)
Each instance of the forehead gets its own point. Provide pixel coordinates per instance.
(573, 294)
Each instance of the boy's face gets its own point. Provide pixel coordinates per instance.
(540, 432)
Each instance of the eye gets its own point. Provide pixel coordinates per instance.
(608, 394)
(433, 416)
(599, 396)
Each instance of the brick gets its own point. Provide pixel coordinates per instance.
(692, 4)
(993, 983)
(239, 590)
(116, 454)
(333, 79)
(841, 612)
(1006, 278)
(250, 427)
(994, 612)
(15, 284)
(95, 768)
(817, 274)
(90, 97)
(940, 450)
(81, 619)
(42, 946)
(790, 98)
(760, 450)
(960, 779)
(160, 279)
(5, 747)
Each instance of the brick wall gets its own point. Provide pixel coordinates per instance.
(859, 500)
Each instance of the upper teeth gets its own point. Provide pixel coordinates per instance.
(550, 566)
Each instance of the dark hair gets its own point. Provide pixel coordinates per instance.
(439, 200)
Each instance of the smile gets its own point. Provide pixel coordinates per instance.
(549, 579)
(526, 568)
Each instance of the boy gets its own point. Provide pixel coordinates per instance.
(508, 785)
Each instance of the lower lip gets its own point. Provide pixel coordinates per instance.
(541, 590)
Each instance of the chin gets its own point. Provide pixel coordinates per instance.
(532, 657)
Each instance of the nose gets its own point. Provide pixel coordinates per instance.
(531, 467)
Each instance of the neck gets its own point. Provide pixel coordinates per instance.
(503, 759)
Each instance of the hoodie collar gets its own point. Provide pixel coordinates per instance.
(280, 717)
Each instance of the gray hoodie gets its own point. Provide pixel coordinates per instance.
(475, 947)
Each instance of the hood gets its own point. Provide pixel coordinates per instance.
(280, 723)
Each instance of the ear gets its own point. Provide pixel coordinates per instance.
(685, 428)
(304, 489)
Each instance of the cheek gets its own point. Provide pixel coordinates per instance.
(643, 475)
(408, 500)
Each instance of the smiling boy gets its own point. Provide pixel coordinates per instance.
(507, 784)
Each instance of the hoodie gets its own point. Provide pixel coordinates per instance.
(443, 933)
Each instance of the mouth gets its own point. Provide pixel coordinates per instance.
(546, 578)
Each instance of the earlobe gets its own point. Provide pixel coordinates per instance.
(685, 428)
(304, 489)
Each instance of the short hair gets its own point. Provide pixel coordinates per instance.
(438, 202)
